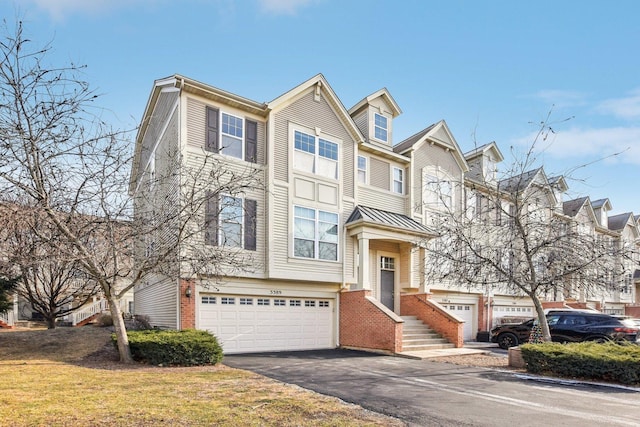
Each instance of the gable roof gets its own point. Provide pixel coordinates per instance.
(439, 134)
(382, 93)
(373, 216)
(522, 181)
(601, 203)
(321, 84)
(572, 207)
(620, 221)
(559, 182)
(481, 150)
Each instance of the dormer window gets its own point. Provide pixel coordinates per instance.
(381, 131)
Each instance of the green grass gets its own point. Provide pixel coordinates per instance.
(66, 377)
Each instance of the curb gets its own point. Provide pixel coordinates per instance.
(564, 381)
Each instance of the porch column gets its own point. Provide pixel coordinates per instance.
(363, 263)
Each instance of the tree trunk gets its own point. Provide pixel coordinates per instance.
(542, 319)
(51, 322)
(121, 331)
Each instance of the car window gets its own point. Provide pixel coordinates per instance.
(552, 320)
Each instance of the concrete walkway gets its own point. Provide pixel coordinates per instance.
(469, 348)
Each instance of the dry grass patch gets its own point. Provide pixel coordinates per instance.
(68, 377)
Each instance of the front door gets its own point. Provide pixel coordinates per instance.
(387, 278)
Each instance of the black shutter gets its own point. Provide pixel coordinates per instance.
(211, 219)
(251, 141)
(211, 143)
(250, 211)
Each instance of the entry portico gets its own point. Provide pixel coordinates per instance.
(389, 253)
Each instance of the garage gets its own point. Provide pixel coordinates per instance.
(467, 313)
(251, 323)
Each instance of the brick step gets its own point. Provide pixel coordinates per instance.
(424, 341)
(417, 336)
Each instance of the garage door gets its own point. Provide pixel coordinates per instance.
(467, 313)
(512, 313)
(246, 324)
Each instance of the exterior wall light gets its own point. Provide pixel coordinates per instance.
(187, 292)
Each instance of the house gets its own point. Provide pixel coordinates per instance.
(301, 224)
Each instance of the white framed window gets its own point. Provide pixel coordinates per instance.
(232, 141)
(381, 127)
(315, 155)
(398, 180)
(315, 234)
(438, 193)
(362, 169)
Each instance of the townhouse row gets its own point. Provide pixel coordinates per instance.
(321, 217)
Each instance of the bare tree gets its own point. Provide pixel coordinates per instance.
(61, 157)
(512, 235)
(52, 283)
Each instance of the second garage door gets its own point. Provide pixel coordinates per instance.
(245, 324)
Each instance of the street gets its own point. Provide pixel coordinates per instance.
(426, 393)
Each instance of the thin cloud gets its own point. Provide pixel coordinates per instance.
(59, 10)
(283, 7)
(561, 98)
(627, 108)
(617, 144)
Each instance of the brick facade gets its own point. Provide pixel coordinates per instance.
(365, 324)
(187, 304)
(434, 316)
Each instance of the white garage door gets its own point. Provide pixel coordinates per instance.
(514, 313)
(466, 312)
(245, 324)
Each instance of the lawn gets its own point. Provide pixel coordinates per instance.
(68, 377)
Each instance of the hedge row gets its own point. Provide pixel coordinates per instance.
(587, 360)
(169, 347)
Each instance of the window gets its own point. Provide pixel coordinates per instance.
(315, 155)
(315, 234)
(246, 301)
(230, 221)
(263, 301)
(438, 194)
(387, 263)
(398, 180)
(309, 303)
(380, 127)
(279, 302)
(362, 169)
(323, 303)
(208, 300)
(231, 218)
(227, 300)
(231, 135)
(294, 303)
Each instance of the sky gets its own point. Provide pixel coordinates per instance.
(493, 70)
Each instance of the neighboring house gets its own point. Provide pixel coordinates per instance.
(67, 285)
(335, 231)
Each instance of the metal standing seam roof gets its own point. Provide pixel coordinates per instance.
(389, 219)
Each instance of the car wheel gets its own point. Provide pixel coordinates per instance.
(507, 340)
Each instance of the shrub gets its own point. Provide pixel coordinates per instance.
(607, 361)
(104, 320)
(139, 323)
(170, 347)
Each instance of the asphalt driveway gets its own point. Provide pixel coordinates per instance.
(427, 393)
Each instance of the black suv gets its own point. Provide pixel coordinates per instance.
(570, 326)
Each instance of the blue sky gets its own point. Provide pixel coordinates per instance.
(491, 69)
